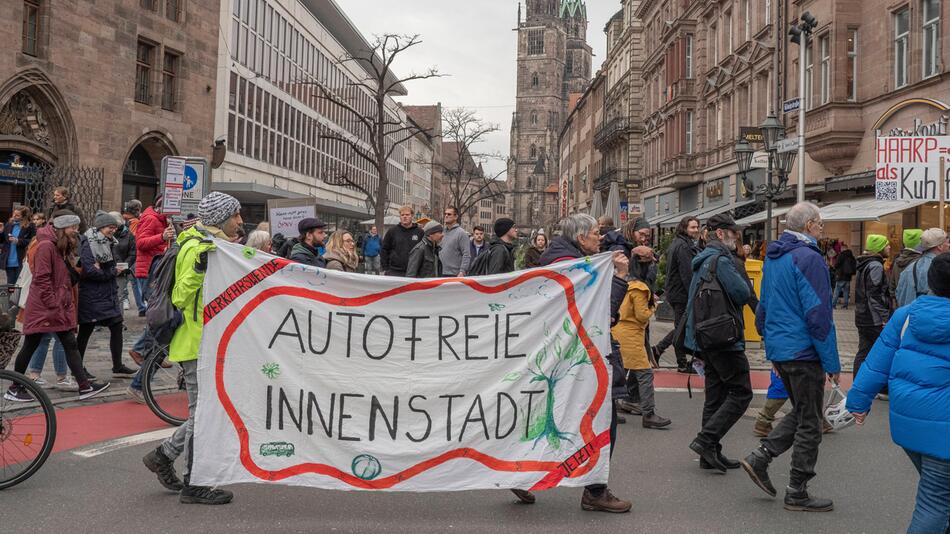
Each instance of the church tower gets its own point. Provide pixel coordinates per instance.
(554, 60)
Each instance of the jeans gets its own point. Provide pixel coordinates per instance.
(372, 264)
(183, 438)
(598, 489)
(13, 273)
(728, 394)
(38, 360)
(137, 291)
(932, 511)
(640, 387)
(143, 291)
(842, 288)
(867, 335)
(73, 359)
(143, 345)
(800, 430)
(679, 315)
(115, 338)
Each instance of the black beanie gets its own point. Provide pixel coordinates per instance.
(938, 278)
(502, 226)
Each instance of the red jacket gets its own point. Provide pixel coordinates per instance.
(148, 240)
(49, 306)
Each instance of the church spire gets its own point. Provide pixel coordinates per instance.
(573, 8)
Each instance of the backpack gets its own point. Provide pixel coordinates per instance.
(479, 267)
(716, 324)
(162, 317)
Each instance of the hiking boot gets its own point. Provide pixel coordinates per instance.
(605, 502)
(137, 357)
(728, 462)
(92, 389)
(15, 393)
(762, 429)
(652, 420)
(135, 394)
(797, 500)
(164, 468)
(123, 372)
(524, 496)
(631, 408)
(710, 454)
(204, 495)
(756, 464)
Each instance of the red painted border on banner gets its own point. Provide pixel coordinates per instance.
(551, 469)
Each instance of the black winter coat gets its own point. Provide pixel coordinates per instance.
(502, 257)
(872, 292)
(124, 250)
(846, 266)
(98, 292)
(397, 244)
(679, 269)
(26, 235)
(424, 261)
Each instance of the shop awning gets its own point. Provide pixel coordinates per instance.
(702, 214)
(865, 209)
(758, 218)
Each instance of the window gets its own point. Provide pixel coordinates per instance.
(170, 67)
(31, 27)
(931, 45)
(714, 39)
(901, 35)
(689, 55)
(768, 12)
(824, 48)
(534, 118)
(719, 121)
(151, 5)
(143, 72)
(727, 31)
(689, 132)
(852, 73)
(534, 80)
(746, 20)
(809, 76)
(535, 42)
(173, 10)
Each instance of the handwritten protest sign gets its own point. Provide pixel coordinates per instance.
(337, 380)
(284, 220)
(908, 168)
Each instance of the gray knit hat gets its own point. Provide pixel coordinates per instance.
(216, 208)
(65, 221)
(432, 227)
(103, 220)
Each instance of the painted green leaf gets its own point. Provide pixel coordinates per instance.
(538, 379)
(567, 326)
(511, 377)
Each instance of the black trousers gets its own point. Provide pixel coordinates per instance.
(867, 336)
(598, 489)
(679, 315)
(800, 430)
(73, 359)
(728, 394)
(115, 338)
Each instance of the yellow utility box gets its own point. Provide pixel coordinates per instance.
(754, 268)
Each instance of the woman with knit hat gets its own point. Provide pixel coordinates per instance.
(872, 295)
(99, 303)
(49, 305)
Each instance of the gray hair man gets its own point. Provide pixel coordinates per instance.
(795, 319)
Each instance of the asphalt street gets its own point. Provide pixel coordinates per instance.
(871, 481)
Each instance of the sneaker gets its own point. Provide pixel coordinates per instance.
(756, 464)
(66, 383)
(798, 500)
(826, 427)
(41, 382)
(524, 496)
(125, 304)
(626, 406)
(93, 389)
(89, 376)
(204, 495)
(761, 429)
(141, 313)
(653, 420)
(164, 468)
(135, 394)
(710, 454)
(137, 357)
(605, 502)
(123, 372)
(17, 394)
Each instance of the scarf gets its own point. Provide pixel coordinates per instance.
(101, 245)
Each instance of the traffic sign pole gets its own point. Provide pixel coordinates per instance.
(801, 116)
(943, 192)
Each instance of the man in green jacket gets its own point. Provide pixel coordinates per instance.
(219, 217)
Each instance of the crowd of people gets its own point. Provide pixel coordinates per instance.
(79, 278)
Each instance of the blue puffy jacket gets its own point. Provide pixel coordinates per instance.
(916, 369)
(733, 282)
(794, 315)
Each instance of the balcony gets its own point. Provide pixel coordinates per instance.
(615, 130)
(603, 181)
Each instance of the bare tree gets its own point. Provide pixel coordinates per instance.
(383, 131)
(462, 167)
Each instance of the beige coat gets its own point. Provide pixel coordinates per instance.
(630, 330)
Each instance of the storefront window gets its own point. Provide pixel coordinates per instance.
(929, 216)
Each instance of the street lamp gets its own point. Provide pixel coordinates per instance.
(780, 163)
(772, 132)
(800, 34)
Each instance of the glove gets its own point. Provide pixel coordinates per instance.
(202, 264)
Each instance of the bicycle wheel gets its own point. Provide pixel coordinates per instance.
(27, 429)
(164, 389)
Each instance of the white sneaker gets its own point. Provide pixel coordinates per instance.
(125, 304)
(67, 383)
(41, 382)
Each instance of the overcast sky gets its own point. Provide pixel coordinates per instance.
(473, 42)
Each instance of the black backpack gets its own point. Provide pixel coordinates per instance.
(162, 317)
(479, 266)
(716, 322)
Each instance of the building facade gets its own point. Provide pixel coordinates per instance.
(429, 118)
(580, 162)
(99, 93)
(419, 168)
(554, 60)
(274, 57)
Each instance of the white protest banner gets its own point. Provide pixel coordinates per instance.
(908, 168)
(344, 381)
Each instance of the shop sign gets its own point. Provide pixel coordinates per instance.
(715, 189)
(918, 127)
(908, 168)
(751, 134)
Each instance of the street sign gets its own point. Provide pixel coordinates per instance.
(787, 145)
(184, 183)
(792, 104)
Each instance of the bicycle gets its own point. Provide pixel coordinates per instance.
(163, 387)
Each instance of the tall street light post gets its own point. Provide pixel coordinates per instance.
(800, 35)
(780, 164)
